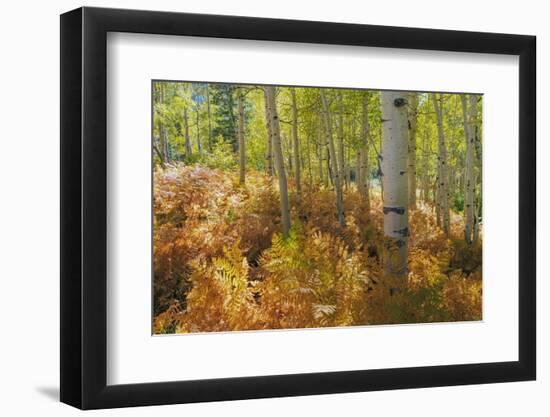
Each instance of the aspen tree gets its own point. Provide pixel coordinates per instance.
(364, 152)
(413, 116)
(341, 155)
(240, 134)
(296, 141)
(269, 153)
(336, 179)
(394, 178)
(271, 100)
(209, 115)
(442, 180)
(469, 135)
(188, 149)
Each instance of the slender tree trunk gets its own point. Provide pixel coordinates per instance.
(296, 141)
(364, 152)
(469, 119)
(188, 148)
(341, 155)
(336, 178)
(199, 144)
(269, 153)
(424, 168)
(309, 169)
(394, 170)
(271, 100)
(240, 134)
(443, 191)
(413, 115)
(209, 113)
(162, 130)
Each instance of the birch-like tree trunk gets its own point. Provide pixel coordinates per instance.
(469, 135)
(443, 177)
(240, 134)
(341, 155)
(364, 152)
(413, 116)
(296, 141)
(271, 100)
(394, 178)
(188, 148)
(269, 153)
(209, 115)
(199, 144)
(162, 131)
(336, 178)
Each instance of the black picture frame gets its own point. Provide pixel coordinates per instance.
(84, 207)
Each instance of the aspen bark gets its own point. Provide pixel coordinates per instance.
(469, 120)
(394, 178)
(442, 188)
(188, 149)
(341, 155)
(364, 152)
(271, 100)
(199, 144)
(162, 131)
(296, 141)
(209, 115)
(413, 115)
(269, 153)
(336, 178)
(240, 133)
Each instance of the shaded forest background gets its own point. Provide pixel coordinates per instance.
(283, 207)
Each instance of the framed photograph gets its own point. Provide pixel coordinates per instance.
(256, 208)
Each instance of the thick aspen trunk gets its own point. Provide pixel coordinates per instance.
(336, 177)
(240, 134)
(188, 148)
(394, 178)
(296, 141)
(469, 119)
(271, 100)
(413, 116)
(442, 189)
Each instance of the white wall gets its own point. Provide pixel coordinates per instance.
(29, 237)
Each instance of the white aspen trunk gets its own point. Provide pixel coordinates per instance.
(365, 132)
(424, 167)
(162, 131)
(240, 133)
(443, 190)
(271, 100)
(341, 155)
(469, 118)
(188, 148)
(296, 141)
(269, 154)
(413, 115)
(336, 178)
(199, 144)
(358, 169)
(394, 178)
(208, 111)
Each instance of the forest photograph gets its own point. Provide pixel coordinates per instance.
(283, 207)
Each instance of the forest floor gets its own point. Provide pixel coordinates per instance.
(220, 262)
